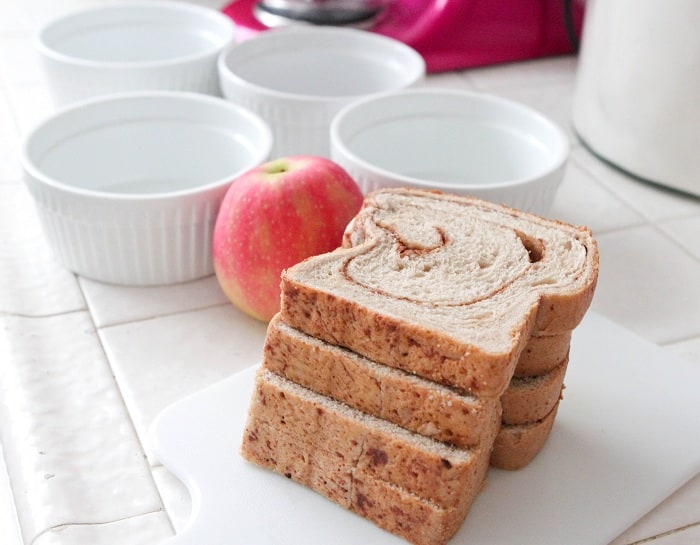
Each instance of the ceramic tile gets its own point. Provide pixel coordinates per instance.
(31, 104)
(23, 15)
(10, 168)
(30, 15)
(553, 101)
(686, 232)
(455, 80)
(537, 73)
(678, 511)
(40, 284)
(159, 361)
(176, 498)
(147, 529)
(580, 200)
(110, 304)
(18, 59)
(8, 514)
(213, 4)
(13, 17)
(653, 202)
(639, 269)
(69, 445)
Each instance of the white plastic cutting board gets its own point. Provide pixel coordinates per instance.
(627, 435)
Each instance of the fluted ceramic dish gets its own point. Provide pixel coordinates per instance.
(128, 186)
(297, 78)
(133, 46)
(454, 141)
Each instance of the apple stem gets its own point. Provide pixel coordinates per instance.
(277, 167)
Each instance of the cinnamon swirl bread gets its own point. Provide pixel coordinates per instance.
(449, 288)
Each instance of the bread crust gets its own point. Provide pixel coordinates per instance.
(517, 445)
(325, 297)
(391, 341)
(283, 434)
(421, 406)
(542, 353)
(416, 520)
(442, 413)
(421, 466)
(529, 399)
(390, 507)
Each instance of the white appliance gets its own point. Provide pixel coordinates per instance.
(637, 96)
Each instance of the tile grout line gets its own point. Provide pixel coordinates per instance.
(128, 418)
(42, 316)
(132, 424)
(611, 191)
(162, 315)
(667, 236)
(60, 527)
(647, 221)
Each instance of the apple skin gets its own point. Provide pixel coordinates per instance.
(274, 216)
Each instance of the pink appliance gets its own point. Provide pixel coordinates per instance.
(450, 34)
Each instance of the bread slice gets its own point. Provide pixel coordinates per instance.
(390, 507)
(415, 487)
(449, 288)
(528, 399)
(517, 445)
(542, 353)
(415, 519)
(424, 407)
(422, 466)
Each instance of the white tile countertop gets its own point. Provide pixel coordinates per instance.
(85, 367)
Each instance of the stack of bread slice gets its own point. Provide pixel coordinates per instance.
(433, 343)
(529, 404)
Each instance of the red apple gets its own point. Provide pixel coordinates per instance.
(274, 216)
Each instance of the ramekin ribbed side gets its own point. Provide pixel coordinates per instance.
(139, 248)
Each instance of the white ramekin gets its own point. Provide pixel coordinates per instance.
(453, 141)
(297, 78)
(133, 46)
(128, 186)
